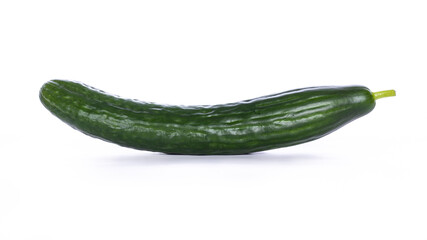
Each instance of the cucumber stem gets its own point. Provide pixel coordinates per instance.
(383, 94)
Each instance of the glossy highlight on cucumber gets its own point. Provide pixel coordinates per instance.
(269, 122)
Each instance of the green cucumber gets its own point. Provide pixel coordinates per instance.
(258, 124)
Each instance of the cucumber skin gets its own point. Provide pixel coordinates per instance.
(258, 124)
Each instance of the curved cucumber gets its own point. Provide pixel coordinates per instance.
(258, 124)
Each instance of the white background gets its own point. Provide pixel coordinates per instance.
(368, 180)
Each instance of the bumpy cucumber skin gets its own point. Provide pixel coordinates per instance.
(258, 124)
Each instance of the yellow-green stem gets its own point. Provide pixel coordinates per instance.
(383, 94)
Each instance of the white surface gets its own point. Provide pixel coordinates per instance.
(366, 181)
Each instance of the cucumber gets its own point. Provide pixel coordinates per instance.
(268, 122)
